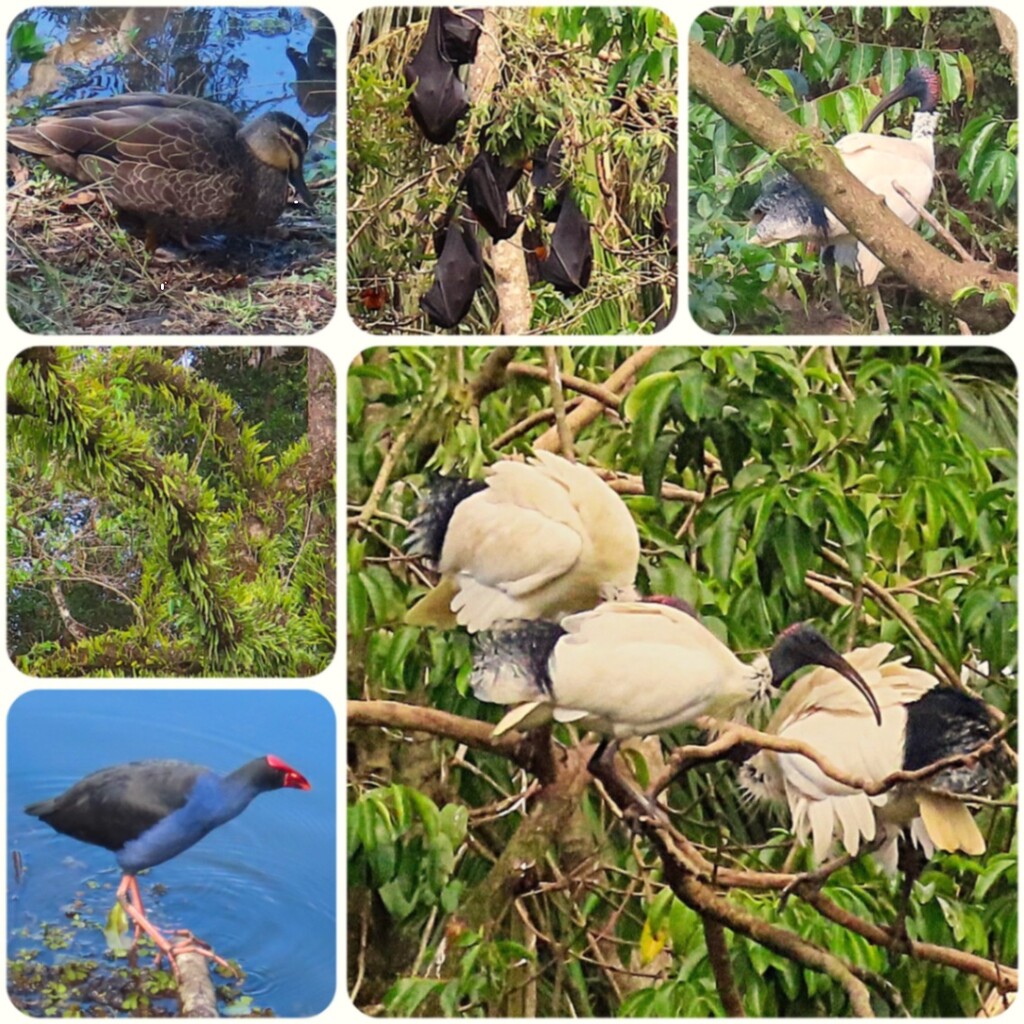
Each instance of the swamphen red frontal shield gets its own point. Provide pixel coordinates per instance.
(150, 811)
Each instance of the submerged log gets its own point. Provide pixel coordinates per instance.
(196, 995)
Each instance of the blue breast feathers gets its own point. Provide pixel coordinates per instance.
(212, 802)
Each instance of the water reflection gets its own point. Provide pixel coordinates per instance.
(316, 71)
(248, 59)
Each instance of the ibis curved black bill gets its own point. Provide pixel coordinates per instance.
(802, 645)
(845, 669)
(921, 84)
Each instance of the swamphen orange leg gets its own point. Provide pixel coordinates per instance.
(129, 887)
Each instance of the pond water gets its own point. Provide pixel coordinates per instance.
(260, 889)
(249, 59)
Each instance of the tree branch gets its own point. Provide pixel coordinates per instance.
(588, 411)
(712, 905)
(387, 467)
(395, 714)
(584, 387)
(703, 877)
(721, 967)
(884, 598)
(819, 167)
(491, 374)
(558, 403)
(1004, 978)
(732, 734)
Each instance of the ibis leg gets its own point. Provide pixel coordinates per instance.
(912, 862)
(602, 761)
(602, 766)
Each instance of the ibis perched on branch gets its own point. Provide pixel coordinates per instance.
(633, 668)
(534, 540)
(922, 722)
(787, 211)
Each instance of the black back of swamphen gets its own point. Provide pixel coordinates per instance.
(149, 811)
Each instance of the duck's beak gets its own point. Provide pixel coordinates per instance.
(302, 189)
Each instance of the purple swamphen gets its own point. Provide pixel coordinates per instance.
(150, 811)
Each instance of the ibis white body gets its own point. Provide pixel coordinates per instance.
(786, 211)
(541, 540)
(821, 711)
(881, 162)
(626, 668)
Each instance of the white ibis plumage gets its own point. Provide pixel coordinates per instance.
(633, 668)
(534, 540)
(786, 211)
(922, 722)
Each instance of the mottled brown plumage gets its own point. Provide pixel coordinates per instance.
(182, 164)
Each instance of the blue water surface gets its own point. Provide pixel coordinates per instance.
(260, 889)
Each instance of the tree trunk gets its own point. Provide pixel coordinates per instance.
(511, 283)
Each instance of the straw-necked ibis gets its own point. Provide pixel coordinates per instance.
(786, 211)
(534, 540)
(922, 722)
(633, 668)
(147, 812)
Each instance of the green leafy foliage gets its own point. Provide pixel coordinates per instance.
(848, 56)
(777, 484)
(26, 44)
(150, 531)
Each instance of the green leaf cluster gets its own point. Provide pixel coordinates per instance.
(778, 484)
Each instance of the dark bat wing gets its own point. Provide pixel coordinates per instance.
(459, 33)
(458, 275)
(547, 178)
(487, 183)
(571, 258)
(439, 99)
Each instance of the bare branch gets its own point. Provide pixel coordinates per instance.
(387, 467)
(558, 403)
(625, 483)
(588, 411)
(584, 387)
(732, 734)
(721, 967)
(395, 714)
(524, 426)
(491, 374)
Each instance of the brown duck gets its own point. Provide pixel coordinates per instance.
(181, 164)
